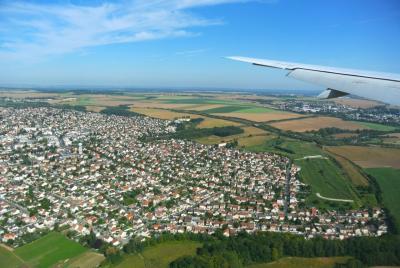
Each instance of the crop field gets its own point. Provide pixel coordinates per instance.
(261, 116)
(369, 156)
(253, 142)
(356, 103)
(375, 126)
(248, 132)
(9, 259)
(163, 114)
(298, 262)
(86, 260)
(49, 250)
(315, 123)
(389, 182)
(352, 171)
(326, 178)
(160, 255)
(170, 115)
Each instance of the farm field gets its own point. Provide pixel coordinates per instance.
(163, 114)
(356, 103)
(315, 123)
(9, 259)
(49, 250)
(326, 179)
(389, 182)
(248, 132)
(160, 255)
(369, 156)
(261, 116)
(375, 126)
(170, 115)
(298, 262)
(352, 171)
(85, 260)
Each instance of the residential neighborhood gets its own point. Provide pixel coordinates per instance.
(90, 172)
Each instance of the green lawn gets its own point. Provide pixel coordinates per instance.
(49, 250)
(160, 255)
(327, 179)
(375, 126)
(297, 262)
(389, 182)
(9, 259)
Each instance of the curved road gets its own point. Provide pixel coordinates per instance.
(334, 199)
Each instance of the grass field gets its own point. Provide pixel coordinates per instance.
(262, 117)
(375, 126)
(85, 260)
(49, 250)
(9, 259)
(326, 178)
(297, 262)
(315, 123)
(389, 182)
(355, 175)
(161, 255)
(369, 156)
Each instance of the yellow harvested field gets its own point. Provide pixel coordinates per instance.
(163, 114)
(213, 122)
(355, 103)
(170, 115)
(155, 104)
(96, 109)
(369, 156)
(86, 260)
(248, 132)
(254, 140)
(315, 123)
(262, 117)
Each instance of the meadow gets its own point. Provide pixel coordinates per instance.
(159, 256)
(389, 182)
(298, 262)
(49, 250)
(9, 259)
(326, 179)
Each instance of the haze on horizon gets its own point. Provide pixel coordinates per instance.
(181, 43)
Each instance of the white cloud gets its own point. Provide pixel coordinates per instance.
(34, 30)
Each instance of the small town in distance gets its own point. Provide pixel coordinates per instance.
(116, 174)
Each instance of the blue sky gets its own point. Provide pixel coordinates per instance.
(181, 43)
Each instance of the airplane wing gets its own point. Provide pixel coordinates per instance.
(339, 82)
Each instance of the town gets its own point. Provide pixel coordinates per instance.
(90, 172)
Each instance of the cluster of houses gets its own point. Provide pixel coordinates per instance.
(90, 172)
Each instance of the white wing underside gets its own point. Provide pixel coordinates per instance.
(383, 87)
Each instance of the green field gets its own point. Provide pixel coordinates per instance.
(9, 259)
(375, 126)
(327, 179)
(161, 255)
(49, 250)
(389, 182)
(226, 109)
(297, 262)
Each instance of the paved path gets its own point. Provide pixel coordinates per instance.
(334, 199)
